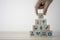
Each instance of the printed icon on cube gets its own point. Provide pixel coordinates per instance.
(35, 27)
(41, 27)
(40, 15)
(49, 33)
(47, 27)
(44, 33)
(32, 33)
(37, 21)
(43, 22)
(38, 33)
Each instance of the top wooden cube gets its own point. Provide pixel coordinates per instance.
(40, 15)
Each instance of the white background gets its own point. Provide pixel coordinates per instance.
(19, 15)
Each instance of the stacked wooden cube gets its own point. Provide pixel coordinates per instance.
(41, 28)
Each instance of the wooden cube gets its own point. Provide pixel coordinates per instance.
(40, 15)
(32, 33)
(37, 22)
(35, 27)
(47, 27)
(43, 22)
(49, 33)
(44, 33)
(41, 27)
(38, 34)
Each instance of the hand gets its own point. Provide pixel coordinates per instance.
(42, 5)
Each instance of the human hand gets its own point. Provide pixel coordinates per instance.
(43, 4)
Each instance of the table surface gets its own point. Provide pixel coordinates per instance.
(26, 36)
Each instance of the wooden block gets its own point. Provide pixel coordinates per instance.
(37, 22)
(44, 33)
(32, 33)
(37, 33)
(49, 33)
(41, 27)
(40, 10)
(40, 15)
(35, 27)
(43, 22)
(47, 27)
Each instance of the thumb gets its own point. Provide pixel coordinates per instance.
(44, 11)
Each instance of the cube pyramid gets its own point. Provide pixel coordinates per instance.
(41, 28)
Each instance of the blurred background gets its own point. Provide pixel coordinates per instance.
(19, 15)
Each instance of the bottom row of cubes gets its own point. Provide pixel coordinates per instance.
(49, 33)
